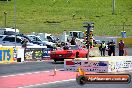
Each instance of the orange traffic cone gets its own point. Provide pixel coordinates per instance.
(81, 71)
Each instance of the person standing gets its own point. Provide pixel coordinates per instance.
(108, 48)
(73, 41)
(112, 48)
(66, 47)
(103, 48)
(121, 48)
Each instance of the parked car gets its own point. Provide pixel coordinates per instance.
(74, 51)
(7, 40)
(37, 40)
(52, 38)
(47, 37)
(1, 37)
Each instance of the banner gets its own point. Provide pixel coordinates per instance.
(6, 54)
(86, 65)
(46, 52)
(36, 53)
(33, 54)
(120, 65)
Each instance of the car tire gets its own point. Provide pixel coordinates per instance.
(81, 80)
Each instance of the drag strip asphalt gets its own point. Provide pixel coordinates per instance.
(24, 67)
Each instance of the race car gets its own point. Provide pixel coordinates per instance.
(74, 51)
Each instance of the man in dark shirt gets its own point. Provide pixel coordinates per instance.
(73, 42)
(102, 48)
(111, 48)
(66, 47)
(121, 48)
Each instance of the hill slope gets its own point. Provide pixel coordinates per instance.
(54, 16)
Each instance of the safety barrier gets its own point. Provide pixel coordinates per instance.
(87, 65)
(100, 64)
(9, 54)
(33, 54)
(94, 52)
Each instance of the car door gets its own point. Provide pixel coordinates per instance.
(6, 41)
(12, 41)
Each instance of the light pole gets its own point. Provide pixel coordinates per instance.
(15, 20)
(113, 7)
(5, 13)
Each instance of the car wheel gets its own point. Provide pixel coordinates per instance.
(81, 80)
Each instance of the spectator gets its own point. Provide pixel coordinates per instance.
(121, 48)
(108, 48)
(94, 43)
(73, 42)
(102, 48)
(66, 47)
(111, 48)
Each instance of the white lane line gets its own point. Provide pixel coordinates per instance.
(35, 85)
(28, 73)
(20, 74)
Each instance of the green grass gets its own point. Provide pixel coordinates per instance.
(54, 16)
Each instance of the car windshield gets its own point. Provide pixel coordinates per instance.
(33, 38)
(53, 37)
(73, 47)
(30, 37)
(42, 38)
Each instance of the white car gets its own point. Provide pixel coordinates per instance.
(10, 41)
(1, 38)
(39, 39)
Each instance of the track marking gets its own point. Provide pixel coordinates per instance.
(47, 83)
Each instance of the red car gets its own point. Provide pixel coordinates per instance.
(74, 51)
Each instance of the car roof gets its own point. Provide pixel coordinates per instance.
(31, 35)
(14, 36)
(3, 35)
